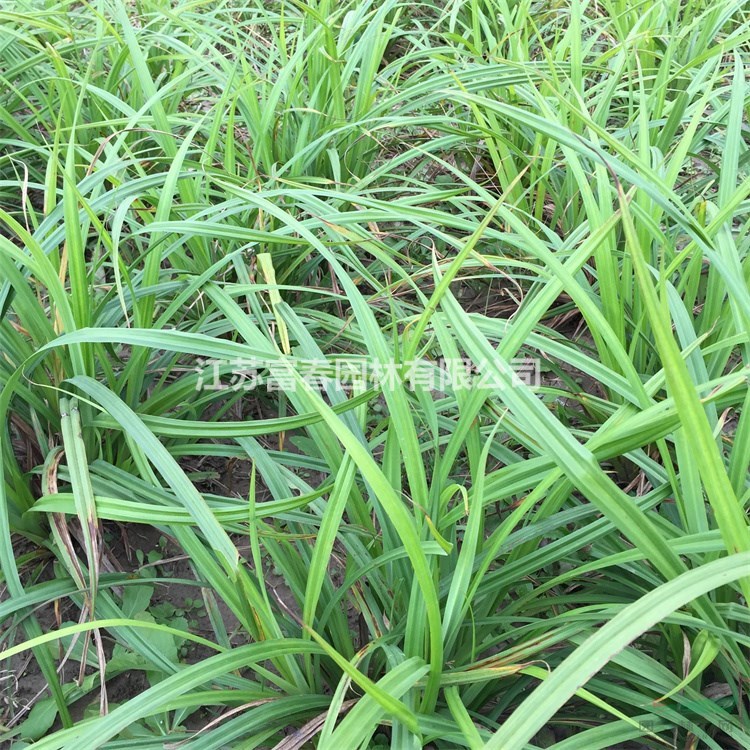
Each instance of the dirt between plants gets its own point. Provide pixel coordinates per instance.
(137, 549)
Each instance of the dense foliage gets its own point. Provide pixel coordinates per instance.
(204, 204)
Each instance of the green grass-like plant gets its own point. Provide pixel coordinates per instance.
(187, 188)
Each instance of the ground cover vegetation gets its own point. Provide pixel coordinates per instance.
(203, 545)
